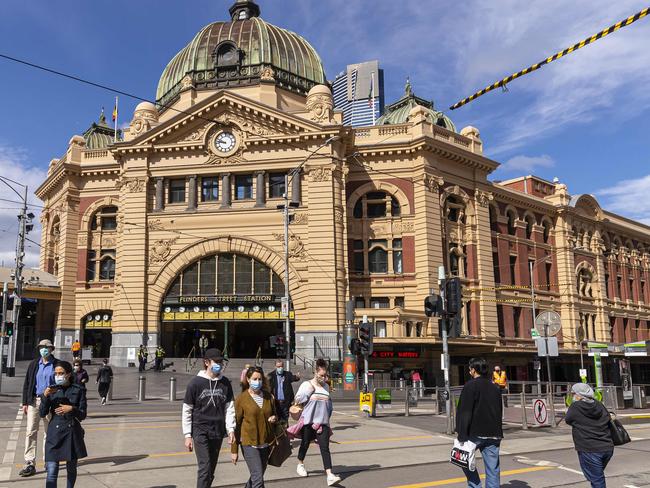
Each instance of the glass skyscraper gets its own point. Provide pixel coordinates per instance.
(359, 93)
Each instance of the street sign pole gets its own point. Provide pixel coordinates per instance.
(5, 293)
(445, 347)
(365, 364)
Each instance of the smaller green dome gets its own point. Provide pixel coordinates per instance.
(398, 112)
(100, 135)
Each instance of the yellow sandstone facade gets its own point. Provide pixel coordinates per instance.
(173, 232)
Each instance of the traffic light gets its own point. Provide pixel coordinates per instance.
(355, 347)
(433, 306)
(454, 296)
(453, 326)
(365, 338)
(9, 329)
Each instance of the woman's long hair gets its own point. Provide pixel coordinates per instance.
(266, 390)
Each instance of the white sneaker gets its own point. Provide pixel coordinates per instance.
(332, 479)
(302, 471)
(104, 401)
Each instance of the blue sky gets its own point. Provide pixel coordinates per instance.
(583, 119)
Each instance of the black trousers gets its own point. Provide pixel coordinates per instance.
(103, 388)
(143, 364)
(308, 435)
(282, 408)
(207, 454)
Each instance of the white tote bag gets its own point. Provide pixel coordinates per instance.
(463, 454)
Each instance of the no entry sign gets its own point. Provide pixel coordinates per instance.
(540, 412)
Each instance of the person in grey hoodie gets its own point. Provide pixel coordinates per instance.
(208, 415)
(591, 435)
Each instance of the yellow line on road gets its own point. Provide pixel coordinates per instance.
(640, 416)
(451, 481)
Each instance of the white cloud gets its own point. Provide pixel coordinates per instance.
(628, 198)
(522, 163)
(14, 164)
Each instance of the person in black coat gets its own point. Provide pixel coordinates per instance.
(66, 403)
(479, 420)
(280, 384)
(104, 379)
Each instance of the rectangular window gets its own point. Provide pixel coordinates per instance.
(359, 302)
(642, 296)
(277, 185)
(397, 256)
(176, 191)
(243, 187)
(243, 275)
(380, 328)
(607, 285)
(631, 295)
(513, 268)
(379, 302)
(109, 222)
(502, 330)
(376, 210)
(548, 276)
(497, 268)
(516, 316)
(358, 257)
(619, 288)
(191, 280)
(91, 266)
(210, 189)
(399, 302)
(262, 277)
(225, 274)
(208, 274)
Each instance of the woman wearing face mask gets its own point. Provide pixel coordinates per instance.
(66, 403)
(254, 414)
(315, 420)
(80, 374)
(208, 415)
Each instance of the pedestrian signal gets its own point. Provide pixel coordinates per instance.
(9, 329)
(433, 306)
(365, 338)
(454, 296)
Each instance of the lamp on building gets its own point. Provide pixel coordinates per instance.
(285, 209)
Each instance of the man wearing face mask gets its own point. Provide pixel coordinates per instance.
(208, 415)
(40, 375)
(280, 384)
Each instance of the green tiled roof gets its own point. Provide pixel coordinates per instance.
(398, 112)
(100, 135)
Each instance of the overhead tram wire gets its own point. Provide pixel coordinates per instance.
(558, 55)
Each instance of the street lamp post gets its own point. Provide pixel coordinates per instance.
(531, 266)
(285, 210)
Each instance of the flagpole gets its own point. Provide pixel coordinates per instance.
(116, 116)
(372, 97)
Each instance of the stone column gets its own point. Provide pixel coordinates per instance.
(296, 187)
(160, 195)
(226, 191)
(191, 197)
(260, 189)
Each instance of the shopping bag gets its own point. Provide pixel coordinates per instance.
(280, 447)
(619, 434)
(463, 454)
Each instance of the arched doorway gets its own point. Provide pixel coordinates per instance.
(98, 332)
(232, 299)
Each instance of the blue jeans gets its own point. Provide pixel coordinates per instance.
(490, 451)
(52, 468)
(593, 466)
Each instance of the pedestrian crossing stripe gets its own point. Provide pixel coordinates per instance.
(550, 59)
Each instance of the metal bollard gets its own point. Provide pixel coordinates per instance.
(524, 420)
(172, 389)
(109, 395)
(437, 396)
(142, 385)
(406, 404)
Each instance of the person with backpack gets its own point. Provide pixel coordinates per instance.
(65, 404)
(104, 379)
(255, 416)
(479, 420)
(208, 416)
(589, 420)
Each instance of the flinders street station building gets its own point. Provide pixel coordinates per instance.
(173, 231)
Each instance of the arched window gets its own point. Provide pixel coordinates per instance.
(512, 227)
(100, 258)
(530, 221)
(105, 219)
(378, 256)
(227, 54)
(377, 204)
(107, 268)
(455, 209)
(547, 230)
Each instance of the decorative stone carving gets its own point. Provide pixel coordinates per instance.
(108, 243)
(267, 74)
(483, 198)
(196, 135)
(145, 117)
(297, 248)
(300, 218)
(216, 160)
(83, 240)
(320, 104)
(132, 185)
(245, 125)
(320, 174)
(187, 82)
(403, 227)
(433, 183)
(155, 224)
(338, 215)
(161, 250)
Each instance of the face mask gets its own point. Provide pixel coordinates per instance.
(280, 370)
(216, 368)
(256, 385)
(76, 368)
(60, 380)
(44, 351)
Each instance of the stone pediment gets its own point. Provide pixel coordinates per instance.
(196, 127)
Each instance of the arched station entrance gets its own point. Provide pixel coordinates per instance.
(97, 332)
(232, 299)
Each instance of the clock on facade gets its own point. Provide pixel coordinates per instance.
(225, 142)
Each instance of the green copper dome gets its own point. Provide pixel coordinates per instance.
(100, 135)
(398, 112)
(239, 53)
